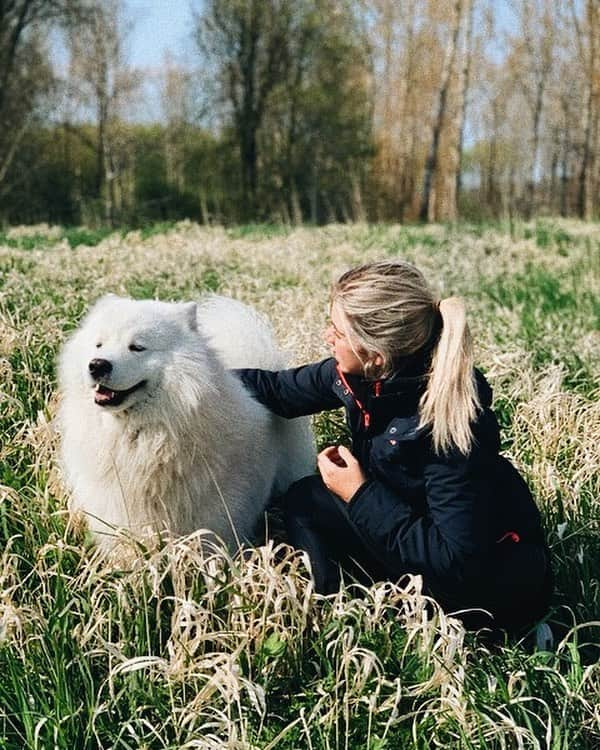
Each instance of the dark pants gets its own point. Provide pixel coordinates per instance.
(515, 585)
(317, 521)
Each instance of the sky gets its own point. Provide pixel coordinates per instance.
(165, 25)
(159, 26)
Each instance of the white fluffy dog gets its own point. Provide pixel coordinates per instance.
(157, 435)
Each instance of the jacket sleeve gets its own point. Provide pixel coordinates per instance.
(446, 541)
(295, 392)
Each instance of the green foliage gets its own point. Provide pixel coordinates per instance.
(546, 304)
(28, 242)
(77, 236)
(298, 149)
(547, 236)
(151, 230)
(258, 232)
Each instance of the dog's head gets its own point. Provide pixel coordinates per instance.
(124, 347)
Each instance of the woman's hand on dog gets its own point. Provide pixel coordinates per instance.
(340, 471)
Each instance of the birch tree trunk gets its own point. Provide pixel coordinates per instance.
(407, 115)
(535, 148)
(585, 204)
(464, 91)
(428, 207)
(102, 80)
(539, 32)
(447, 200)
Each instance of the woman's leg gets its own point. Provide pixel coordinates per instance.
(317, 521)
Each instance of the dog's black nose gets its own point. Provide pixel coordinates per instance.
(99, 368)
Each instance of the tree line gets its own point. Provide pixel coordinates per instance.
(303, 110)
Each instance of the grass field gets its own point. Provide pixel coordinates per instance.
(181, 648)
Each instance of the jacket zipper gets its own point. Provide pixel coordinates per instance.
(365, 415)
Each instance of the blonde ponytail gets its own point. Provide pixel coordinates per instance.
(451, 403)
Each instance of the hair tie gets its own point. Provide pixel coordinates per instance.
(436, 328)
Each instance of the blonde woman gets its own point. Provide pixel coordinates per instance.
(424, 489)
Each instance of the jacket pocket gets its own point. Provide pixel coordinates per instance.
(396, 457)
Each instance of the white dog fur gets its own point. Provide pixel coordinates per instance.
(188, 449)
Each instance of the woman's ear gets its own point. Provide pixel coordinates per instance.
(374, 364)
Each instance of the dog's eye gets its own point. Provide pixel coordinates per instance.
(136, 348)
(98, 345)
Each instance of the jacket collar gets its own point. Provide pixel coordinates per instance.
(397, 396)
(379, 401)
(409, 379)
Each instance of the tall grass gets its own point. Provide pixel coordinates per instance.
(183, 646)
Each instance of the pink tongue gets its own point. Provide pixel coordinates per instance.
(104, 395)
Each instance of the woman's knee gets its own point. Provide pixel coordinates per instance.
(301, 495)
(309, 501)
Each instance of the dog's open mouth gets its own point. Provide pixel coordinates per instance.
(104, 396)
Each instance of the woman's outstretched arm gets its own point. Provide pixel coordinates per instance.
(295, 392)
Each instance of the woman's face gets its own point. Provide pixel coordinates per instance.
(337, 338)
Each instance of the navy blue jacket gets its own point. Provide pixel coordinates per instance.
(443, 516)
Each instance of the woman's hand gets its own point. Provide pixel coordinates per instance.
(340, 471)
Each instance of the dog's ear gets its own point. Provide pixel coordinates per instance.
(190, 310)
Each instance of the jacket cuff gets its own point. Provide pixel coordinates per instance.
(360, 492)
(374, 505)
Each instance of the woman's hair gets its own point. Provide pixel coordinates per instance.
(393, 313)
